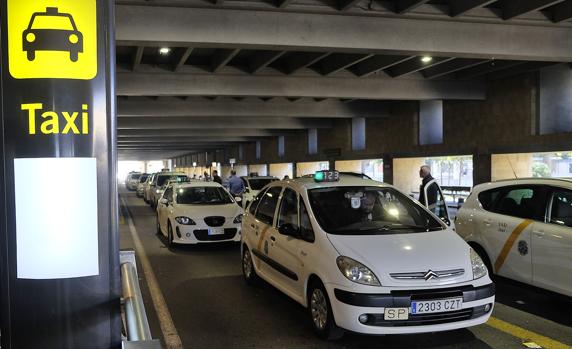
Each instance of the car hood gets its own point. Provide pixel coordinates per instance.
(201, 211)
(408, 253)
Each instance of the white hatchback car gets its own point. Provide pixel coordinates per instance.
(198, 212)
(363, 257)
(523, 230)
(253, 185)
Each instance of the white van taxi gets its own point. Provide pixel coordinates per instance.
(522, 229)
(198, 212)
(363, 257)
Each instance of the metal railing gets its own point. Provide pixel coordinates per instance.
(135, 317)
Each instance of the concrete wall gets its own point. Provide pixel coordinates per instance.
(506, 122)
(281, 170)
(406, 174)
(262, 169)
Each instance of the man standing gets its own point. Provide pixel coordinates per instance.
(235, 185)
(216, 177)
(425, 173)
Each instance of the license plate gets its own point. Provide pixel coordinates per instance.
(436, 306)
(215, 231)
(396, 314)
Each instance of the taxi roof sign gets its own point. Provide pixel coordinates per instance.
(327, 176)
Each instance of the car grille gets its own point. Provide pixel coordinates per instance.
(215, 221)
(203, 234)
(423, 275)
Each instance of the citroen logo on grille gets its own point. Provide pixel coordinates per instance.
(430, 274)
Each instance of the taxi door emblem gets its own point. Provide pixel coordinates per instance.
(523, 248)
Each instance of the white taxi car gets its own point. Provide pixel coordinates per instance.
(198, 212)
(363, 257)
(523, 230)
(253, 185)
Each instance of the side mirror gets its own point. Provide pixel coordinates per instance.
(238, 199)
(289, 230)
(164, 201)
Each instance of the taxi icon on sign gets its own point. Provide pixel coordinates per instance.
(52, 31)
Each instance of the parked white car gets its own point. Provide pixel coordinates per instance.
(363, 257)
(253, 185)
(139, 190)
(522, 229)
(198, 212)
(157, 185)
(132, 180)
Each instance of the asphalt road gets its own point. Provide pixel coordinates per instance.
(211, 306)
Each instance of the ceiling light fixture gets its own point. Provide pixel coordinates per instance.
(164, 50)
(426, 59)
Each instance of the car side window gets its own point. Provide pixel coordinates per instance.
(288, 208)
(306, 231)
(267, 206)
(561, 208)
(521, 201)
(255, 202)
(488, 198)
(169, 194)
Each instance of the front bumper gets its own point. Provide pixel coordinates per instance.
(196, 234)
(348, 306)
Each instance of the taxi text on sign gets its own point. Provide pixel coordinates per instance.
(52, 39)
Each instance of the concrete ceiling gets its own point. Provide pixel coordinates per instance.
(239, 71)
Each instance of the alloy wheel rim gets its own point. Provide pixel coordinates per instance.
(246, 264)
(319, 309)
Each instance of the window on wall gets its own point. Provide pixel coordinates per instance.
(313, 141)
(520, 165)
(358, 134)
(452, 170)
(258, 150)
(281, 146)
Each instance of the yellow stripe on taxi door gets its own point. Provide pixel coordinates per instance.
(510, 242)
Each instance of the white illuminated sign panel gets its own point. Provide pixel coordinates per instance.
(56, 218)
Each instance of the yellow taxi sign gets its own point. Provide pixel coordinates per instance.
(52, 39)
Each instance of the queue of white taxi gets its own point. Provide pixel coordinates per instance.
(363, 257)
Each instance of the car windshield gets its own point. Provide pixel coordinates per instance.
(135, 176)
(161, 180)
(259, 183)
(203, 196)
(369, 211)
(52, 22)
(143, 178)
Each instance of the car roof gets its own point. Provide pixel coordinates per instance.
(520, 181)
(308, 183)
(196, 184)
(171, 174)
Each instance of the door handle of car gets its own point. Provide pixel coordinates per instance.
(487, 221)
(272, 238)
(538, 233)
(253, 226)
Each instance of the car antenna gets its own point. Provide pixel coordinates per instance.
(512, 168)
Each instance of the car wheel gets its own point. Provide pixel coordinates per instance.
(170, 235)
(159, 232)
(73, 56)
(321, 313)
(248, 271)
(31, 55)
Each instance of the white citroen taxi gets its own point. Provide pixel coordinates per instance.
(198, 212)
(522, 229)
(363, 257)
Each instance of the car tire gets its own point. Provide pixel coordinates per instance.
(159, 232)
(321, 314)
(73, 56)
(248, 271)
(170, 238)
(31, 55)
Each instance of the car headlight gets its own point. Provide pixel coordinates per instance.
(237, 219)
(30, 37)
(356, 272)
(185, 220)
(73, 38)
(158, 191)
(479, 267)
